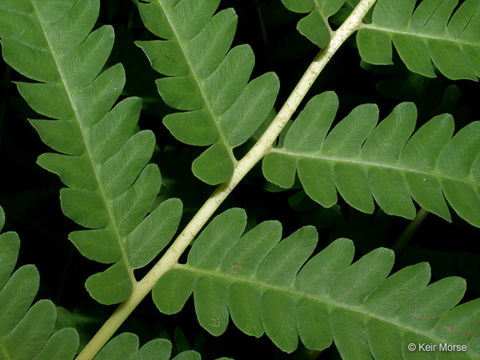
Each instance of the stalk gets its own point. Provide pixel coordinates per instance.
(256, 153)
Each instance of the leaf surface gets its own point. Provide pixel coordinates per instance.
(429, 35)
(26, 330)
(100, 155)
(284, 290)
(388, 162)
(207, 80)
(315, 25)
(126, 347)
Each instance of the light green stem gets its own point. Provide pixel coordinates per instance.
(256, 153)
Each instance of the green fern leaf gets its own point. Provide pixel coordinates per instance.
(364, 161)
(315, 25)
(126, 347)
(102, 157)
(429, 33)
(207, 80)
(26, 330)
(276, 288)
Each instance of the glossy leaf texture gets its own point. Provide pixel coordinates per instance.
(99, 155)
(27, 332)
(315, 25)
(385, 162)
(427, 35)
(209, 83)
(126, 347)
(275, 287)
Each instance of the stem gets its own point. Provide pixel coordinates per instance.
(409, 231)
(256, 153)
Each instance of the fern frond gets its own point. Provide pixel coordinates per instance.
(429, 33)
(364, 161)
(209, 81)
(276, 288)
(26, 330)
(126, 347)
(102, 156)
(315, 25)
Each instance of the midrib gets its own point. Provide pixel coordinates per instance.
(319, 10)
(324, 301)
(418, 34)
(4, 350)
(365, 163)
(88, 151)
(199, 86)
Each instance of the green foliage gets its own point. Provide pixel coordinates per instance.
(125, 347)
(315, 25)
(284, 289)
(26, 330)
(364, 161)
(267, 288)
(209, 81)
(102, 156)
(432, 32)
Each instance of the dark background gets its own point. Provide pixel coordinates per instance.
(30, 197)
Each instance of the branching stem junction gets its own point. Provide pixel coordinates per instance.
(256, 153)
